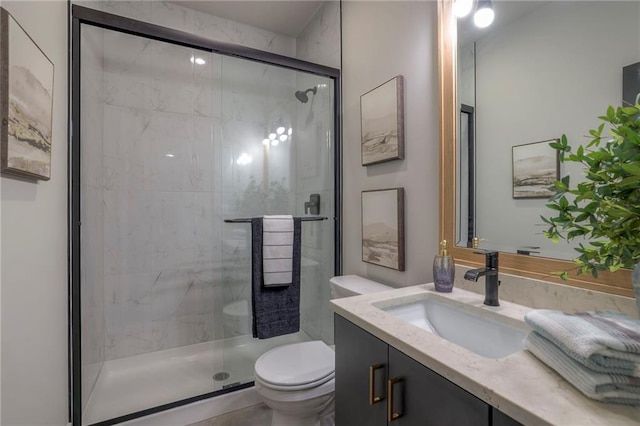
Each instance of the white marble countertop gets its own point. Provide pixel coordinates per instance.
(519, 385)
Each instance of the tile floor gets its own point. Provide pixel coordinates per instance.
(256, 415)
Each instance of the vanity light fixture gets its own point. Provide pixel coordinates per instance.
(484, 14)
(462, 8)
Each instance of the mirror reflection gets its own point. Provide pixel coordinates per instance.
(539, 70)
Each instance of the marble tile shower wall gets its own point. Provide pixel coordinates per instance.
(213, 27)
(319, 42)
(161, 231)
(92, 237)
(170, 175)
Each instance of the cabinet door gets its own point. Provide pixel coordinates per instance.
(501, 419)
(422, 397)
(361, 367)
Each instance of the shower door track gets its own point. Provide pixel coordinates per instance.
(86, 16)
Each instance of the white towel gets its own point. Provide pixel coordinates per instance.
(277, 250)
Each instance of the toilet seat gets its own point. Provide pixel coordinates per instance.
(296, 366)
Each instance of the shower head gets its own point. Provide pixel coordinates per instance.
(302, 96)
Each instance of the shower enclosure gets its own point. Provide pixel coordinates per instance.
(173, 134)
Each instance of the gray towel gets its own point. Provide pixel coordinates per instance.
(276, 310)
(608, 342)
(612, 388)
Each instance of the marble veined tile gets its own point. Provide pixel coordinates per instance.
(170, 152)
(172, 221)
(126, 70)
(202, 168)
(171, 15)
(137, 9)
(171, 77)
(125, 131)
(91, 141)
(319, 42)
(221, 29)
(127, 231)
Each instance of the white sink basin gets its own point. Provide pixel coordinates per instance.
(483, 332)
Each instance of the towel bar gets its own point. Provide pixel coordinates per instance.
(303, 219)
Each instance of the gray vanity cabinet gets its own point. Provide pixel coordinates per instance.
(501, 419)
(422, 397)
(361, 375)
(378, 385)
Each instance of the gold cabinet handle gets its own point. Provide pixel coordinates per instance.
(391, 414)
(373, 399)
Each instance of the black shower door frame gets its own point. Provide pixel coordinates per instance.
(86, 16)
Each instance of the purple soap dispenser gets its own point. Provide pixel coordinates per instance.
(444, 270)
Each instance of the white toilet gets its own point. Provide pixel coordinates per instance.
(297, 380)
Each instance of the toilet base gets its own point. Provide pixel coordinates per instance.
(289, 409)
(323, 417)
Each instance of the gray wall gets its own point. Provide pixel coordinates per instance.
(34, 254)
(379, 41)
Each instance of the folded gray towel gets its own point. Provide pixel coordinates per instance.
(276, 310)
(608, 342)
(610, 388)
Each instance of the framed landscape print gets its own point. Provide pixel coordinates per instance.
(536, 167)
(382, 122)
(26, 103)
(383, 227)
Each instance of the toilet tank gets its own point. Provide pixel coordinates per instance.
(353, 285)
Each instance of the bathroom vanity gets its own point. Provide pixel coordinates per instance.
(398, 389)
(390, 369)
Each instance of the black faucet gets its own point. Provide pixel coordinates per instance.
(490, 272)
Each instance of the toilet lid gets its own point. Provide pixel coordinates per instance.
(296, 364)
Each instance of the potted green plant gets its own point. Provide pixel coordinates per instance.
(604, 209)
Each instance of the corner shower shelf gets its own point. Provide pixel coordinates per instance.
(303, 219)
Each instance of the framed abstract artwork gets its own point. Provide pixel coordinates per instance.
(382, 122)
(383, 227)
(536, 166)
(26, 103)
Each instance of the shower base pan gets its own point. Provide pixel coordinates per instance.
(133, 384)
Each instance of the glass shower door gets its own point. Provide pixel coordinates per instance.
(276, 151)
(149, 248)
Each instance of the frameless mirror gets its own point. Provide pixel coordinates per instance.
(540, 70)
